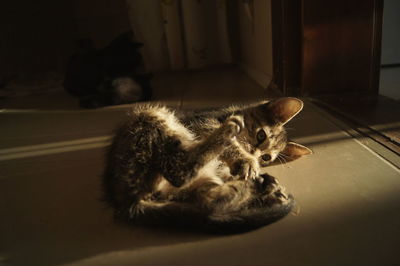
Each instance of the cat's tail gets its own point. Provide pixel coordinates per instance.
(186, 216)
(179, 215)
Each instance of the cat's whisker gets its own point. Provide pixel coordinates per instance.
(290, 128)
(281, 162)
(282, 156)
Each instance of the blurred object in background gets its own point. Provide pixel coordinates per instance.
(182, 34)
(109, 76)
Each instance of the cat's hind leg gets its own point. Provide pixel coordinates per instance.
(241, 205)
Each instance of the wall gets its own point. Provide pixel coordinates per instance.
(147, 22)
(206, 33)
(101, 20)
(181, 34)
(35, 35)
(255, 51)
(391, 32)
(40, 36)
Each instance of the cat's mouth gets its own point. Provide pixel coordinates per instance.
(264, 163)
(265, 160)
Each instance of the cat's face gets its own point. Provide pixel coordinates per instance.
(264, 135)
(269, 142)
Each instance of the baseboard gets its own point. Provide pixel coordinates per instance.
(261, 78)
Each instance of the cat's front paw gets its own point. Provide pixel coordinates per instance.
(233, 126)
(246, 168)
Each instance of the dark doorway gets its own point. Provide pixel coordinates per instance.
(330, 51)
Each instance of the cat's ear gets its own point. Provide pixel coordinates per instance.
(284, 109)
(294, 151)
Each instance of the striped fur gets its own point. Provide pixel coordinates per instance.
(199, 168)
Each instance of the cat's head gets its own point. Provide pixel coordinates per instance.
(264, 135)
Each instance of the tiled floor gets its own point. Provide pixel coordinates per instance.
(216, 86)
(348, 197)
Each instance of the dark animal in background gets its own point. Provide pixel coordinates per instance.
(109, 76)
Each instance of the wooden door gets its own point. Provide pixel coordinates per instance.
(327, 47)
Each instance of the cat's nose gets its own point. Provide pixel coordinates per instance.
(266, 157)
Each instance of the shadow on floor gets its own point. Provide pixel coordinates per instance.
(61, 218)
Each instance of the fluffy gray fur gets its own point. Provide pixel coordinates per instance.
(201, 168)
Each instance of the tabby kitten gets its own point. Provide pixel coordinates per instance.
(201, 168)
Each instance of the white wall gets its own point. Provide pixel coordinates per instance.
(256, 41)
(391, 32)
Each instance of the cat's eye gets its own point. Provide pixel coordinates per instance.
(261, 135)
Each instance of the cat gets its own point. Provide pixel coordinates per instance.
(108, 76)
(201, 168)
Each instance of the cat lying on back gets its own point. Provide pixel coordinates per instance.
(201, 168)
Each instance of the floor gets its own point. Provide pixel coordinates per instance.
(51, 157)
